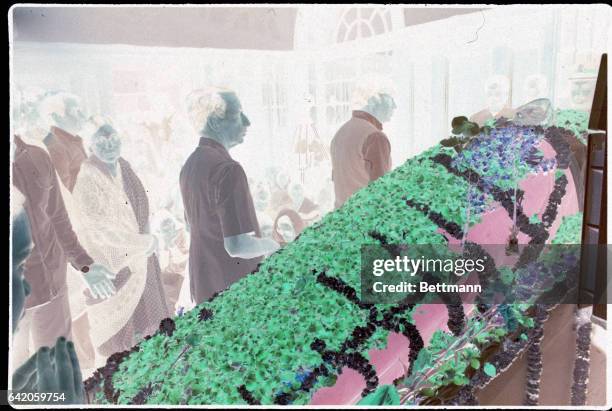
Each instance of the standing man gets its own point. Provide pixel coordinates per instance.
(47, 310)
(225, 238)
(360, 151)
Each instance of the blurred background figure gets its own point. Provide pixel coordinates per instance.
(173, 254)
(113, 210)
(360, 150)
(54, 370)
(26, 112)
(582, 86)
(497, 94)
(536, 86)
(226, 241)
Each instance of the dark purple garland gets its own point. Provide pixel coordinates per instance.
(247, 396)
(342, 288)
(451, 227)
(205, 314)
(167, 327)
(534, 357)
(556, 196)
(354, 360)
(142, 396)
(557, 139)
(581, 363)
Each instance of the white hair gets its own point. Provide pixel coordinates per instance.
(54, 102)
(201, 103)
(368, 86)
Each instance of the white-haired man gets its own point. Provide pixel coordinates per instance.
(360, 151)
(225, 237)
(47, 311)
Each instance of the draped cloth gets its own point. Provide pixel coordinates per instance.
(113, 222)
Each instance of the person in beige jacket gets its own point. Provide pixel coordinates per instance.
(360, 150)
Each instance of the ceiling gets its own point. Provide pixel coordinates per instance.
(269, 28)
(226, 27)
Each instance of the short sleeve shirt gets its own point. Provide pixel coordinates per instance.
(218, 204)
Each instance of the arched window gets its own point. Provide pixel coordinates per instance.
(359, 23)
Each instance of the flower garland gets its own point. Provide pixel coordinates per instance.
(582, 361)
(534, 358)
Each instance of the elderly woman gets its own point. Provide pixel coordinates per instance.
(113, 211)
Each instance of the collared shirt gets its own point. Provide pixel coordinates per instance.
(218, 204)
(55, 242)
(360, 153)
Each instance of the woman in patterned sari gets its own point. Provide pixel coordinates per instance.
(113, 221)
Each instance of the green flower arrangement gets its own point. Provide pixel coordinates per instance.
(259, 336)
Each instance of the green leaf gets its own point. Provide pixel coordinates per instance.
(384, 395)
(475, 364)
(460, 380)
(422, 360)
(499, 332)
(429, 392)
(490, 370)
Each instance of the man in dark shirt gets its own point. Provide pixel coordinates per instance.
(225, 238)
(360, 151)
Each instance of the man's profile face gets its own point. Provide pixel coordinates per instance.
(234, 124)
(388, 107)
